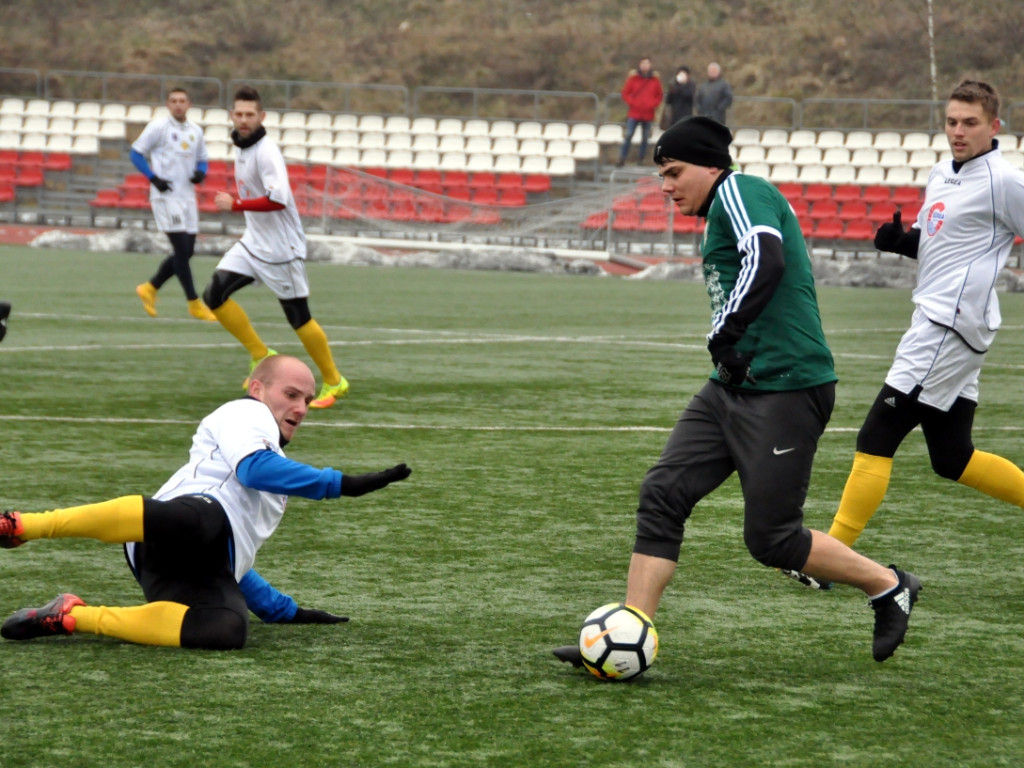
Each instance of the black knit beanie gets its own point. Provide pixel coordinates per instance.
(697, 140)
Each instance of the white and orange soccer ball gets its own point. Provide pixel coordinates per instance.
(618, 642)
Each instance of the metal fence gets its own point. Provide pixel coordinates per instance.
(303, 95)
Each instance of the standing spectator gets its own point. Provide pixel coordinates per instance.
(642, 94)
(678, 98)
(177, 162)
(715, 96)
(272, 249)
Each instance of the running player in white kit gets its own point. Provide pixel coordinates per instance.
(272, 249)
(177, 162)
(973, 209)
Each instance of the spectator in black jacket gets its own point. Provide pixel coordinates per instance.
(678, 98)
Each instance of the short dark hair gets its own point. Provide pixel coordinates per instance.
(179, 89)
(248, 93)
(977, 92)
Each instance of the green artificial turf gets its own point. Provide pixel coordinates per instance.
(529, 408)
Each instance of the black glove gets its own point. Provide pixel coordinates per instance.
(357, 485)
(313, 616)
(197, 177)
(732, 367)
(161, 184)
(890, 235)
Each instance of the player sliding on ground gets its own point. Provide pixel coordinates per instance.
(768, 401)
(192, 546)
(272, 249)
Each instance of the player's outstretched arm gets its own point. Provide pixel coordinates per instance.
(358, 485)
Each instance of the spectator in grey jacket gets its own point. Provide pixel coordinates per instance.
(715, 96)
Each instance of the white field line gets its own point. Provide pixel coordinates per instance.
(423, 427)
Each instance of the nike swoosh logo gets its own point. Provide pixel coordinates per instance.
(588, 642)
(777, 452)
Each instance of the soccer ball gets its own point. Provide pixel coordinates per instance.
(618, 642)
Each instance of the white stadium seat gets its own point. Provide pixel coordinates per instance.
(10, 139)
(293, 120)
(922, 158)
(505, 146)
(453, 161)
(449, 126)
(37, 107)
(530, 129)
(112, 129)
(534, 164)
(921, 176)
(345, 139)
(863, 156)
(59, 142)
(346, 156)
(871, 175)
(916, 140)
(774, 137)
(320, 155)
(746, 136)
(583, 132)
(318, 121)
(507, 163)
(397, 141)
(216, 132)
(562, 166)
(893, 158)
(219, 116)
(451, 143)
(1006, 142)
(939, 142)
(556, 131)
(220, 150)
(85, 145)
(423, 126)
(33, 142)
(836, 156)
(802, 138)
(783, 173)
(294, 153)
(807, 156)
(371, 123)
(859, 140)
(900, 176)
(532, 147)
(293, 137)
(827, 139)
(88, 109)
(427, 160)
(372, 140)
(842, 174)
(476, 127)
(424, 142)
(10, 122)
(139, 113)
(345, 122)
(586, 149)
(35, 124)
(887, 140)
(372, 158)
(480, 162)
(812, 174)
(320, 137)
(750, 153)
(62, 108)
(12, 105)
(62, 125)
(477, 144)
(399, 158)
(779, 153)
(559, 148)
(762, 170)
(611, 133)
(501, 129)
(397, 124)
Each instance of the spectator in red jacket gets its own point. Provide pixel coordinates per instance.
(642, 94)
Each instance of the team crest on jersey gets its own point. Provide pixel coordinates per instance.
(936, 215)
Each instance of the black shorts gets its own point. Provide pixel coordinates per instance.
(768, 438)
(186, 557)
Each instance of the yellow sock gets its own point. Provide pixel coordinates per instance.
(999, 478)
(314, 340)
(864, 491)
(150, 624)
(115, 521)
(200, 311)
(231, 315)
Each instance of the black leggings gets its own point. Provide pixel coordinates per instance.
(224, 283)
(184, 245)
(947, 433)
(186, 559)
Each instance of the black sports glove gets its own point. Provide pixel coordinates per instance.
(161, 184)
(732, 367)
(890, 236)
(313, 616)
(357, 485)
(197, 177)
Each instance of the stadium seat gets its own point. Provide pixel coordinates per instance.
(453, 161)
(762, 170)
(112, 129)
(555, 130)
(534, 164)
(836, 156)
(887, 140)
(802, 138)
(507, 164)
(864, 156)
(783, 173)
(585, 150)
(372, 158)
(562, 166)
(399, 158)
(871, 174)
(879, 213)
(345, 122)
(746, 136)
(842, 174)
(371, 123)
(477, 144)
(583, 132)
(37, 107)
(35, 124)
(59, 143)
(451, 143)
(778, 154)
(528, 129)
(536, 183)
(828, 229)
(905, 194)
(397, 124)
(319, 121)
(139, 113)
(774, 137)
(844, 193)
(750, 153)
(106, 198)
(899, 176)
(512, 198)
(320, 155)
(10, 123)
(479, 127)
(829, 139)
(853, 209)
(558, 148)
(114, 111)
(791, 190)
(611, 133)
(800, 207)
(916, 140)
(807, 156)
(806, 226)
(814, 192)
(395, 141)
(812, 174)
(858, 140)
(426, 160)
(922, 158)
(480, 161)
(893, 158)
(533, 147)
(859, 229)
(824, 209)
(876, 194)
(12, 105)
(449, 126)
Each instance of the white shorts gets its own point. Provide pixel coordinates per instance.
(937, 360)
(176, 214)
(287, 279)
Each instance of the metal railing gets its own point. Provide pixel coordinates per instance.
(304, 95)
(511, 104)
(141, 89)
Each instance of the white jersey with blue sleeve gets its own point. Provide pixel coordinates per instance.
(225, 437)
(173, 150)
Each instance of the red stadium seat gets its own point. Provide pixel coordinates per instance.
(483, 179)
(859, 229)
(455, 178)
(846, 192)
(904, 195)
(485, 196)
(136, 198)
(815, 192)
(909, 212)
(806, 226)
(509, 181)
(626, 221)
(106, 198)
(402, 176)
(30, 176)
(684, 225)
(597, 220)
(828, 229)
(654, 221)
(876, 194)
(791, 190)
(7, 193)
(824, 209)
(536, 183)
(800, 207)
(512, 197)
(882, 212)
(297, 172)
(8, 172)
(427, 176)
(853, 209)
(57, 161)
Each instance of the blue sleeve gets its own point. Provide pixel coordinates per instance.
(203, 166)
(265, 601)
(139, 161)
(271, 472)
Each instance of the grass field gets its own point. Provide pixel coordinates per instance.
(529, 407)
